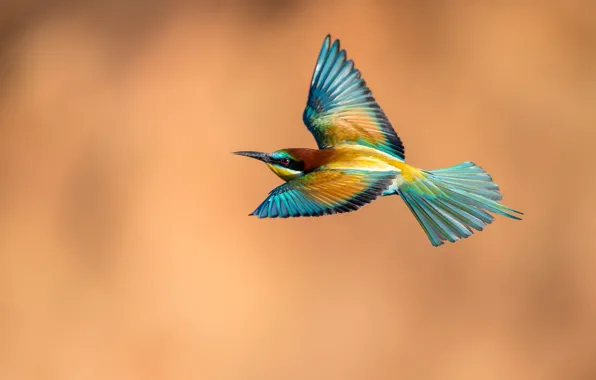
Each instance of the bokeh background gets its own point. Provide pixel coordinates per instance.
(126, 251)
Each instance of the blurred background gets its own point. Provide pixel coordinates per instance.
(126, 251)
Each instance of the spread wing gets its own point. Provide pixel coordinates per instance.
(324, 192)
(342, 109)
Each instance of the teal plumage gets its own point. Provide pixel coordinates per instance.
(450, 202)
(361, 158)
(338, 96)
(324, 192)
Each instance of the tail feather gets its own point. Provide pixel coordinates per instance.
(451, 203)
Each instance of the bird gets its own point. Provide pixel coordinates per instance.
(361, 158)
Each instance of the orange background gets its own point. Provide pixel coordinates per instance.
(126, 251)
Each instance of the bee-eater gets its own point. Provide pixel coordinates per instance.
(361, 158)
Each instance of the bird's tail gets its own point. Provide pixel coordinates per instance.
(450, 203)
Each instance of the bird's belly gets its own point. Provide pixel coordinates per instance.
(392, 189)
(364, 158)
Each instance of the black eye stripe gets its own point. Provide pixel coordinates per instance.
(292, 164)
(296, 165)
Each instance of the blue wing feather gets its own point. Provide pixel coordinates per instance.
(298, 198)
(342, 109)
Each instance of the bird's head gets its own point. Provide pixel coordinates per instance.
(285, 163)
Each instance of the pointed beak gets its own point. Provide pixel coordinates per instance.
(257, 155)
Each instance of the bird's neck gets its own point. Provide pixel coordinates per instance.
(285, 173)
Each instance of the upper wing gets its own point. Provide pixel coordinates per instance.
(342, 109)
(324, 192)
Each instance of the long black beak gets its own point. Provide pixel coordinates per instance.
(257, 155)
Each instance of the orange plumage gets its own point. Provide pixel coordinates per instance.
(361, 158)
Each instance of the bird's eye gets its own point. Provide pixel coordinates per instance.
(285, 161)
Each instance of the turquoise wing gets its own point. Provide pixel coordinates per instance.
(324, 192)
(341, 108)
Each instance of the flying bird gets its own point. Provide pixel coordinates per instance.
(361, 158)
